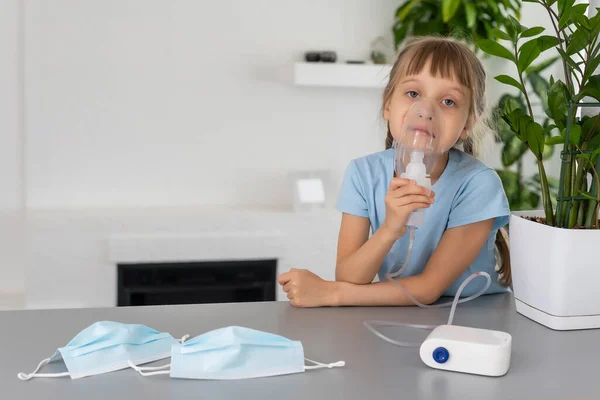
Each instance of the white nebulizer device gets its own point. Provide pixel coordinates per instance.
(416, 152)
(448, 347)
(416, 171)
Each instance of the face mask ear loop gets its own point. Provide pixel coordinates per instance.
(142, 372)
(25, 377)
(319, 365)
(183, 339)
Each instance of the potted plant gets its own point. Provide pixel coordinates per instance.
(522, 192)
(554, 259)
(471, 20)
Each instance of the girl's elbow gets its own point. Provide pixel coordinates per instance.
(430, 298)
(429, 293)
(341, 277)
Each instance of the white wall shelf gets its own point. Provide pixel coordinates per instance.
(341, 75)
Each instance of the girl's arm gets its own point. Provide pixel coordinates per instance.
(456, 251)
(358, 257)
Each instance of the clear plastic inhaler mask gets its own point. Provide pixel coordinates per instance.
(418, 153)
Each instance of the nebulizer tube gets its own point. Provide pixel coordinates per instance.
(416, 155)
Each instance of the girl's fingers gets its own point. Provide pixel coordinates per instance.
(415, 198)
(396, 183)
(411, 190)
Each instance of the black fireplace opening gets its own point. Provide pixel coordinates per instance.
(196, 282)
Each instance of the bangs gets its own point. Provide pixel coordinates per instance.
(447, 60)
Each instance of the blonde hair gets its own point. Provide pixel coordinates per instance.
(450, 58)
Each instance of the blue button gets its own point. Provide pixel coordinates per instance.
(441, 355)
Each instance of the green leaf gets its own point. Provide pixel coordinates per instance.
(586, 129)
(570, 15)
(400, 31)
(592, 88)
(528, 52)
(548, 150)
(595, 24)
(511, 31)
(536, 30)
(405, 9)
(524, 120)
(471, 14)
(574, 134)
(493, 5)
(554, 140)
(581, 20)
(558, 99)
(512, 151)
(535, 138)
(519, 197)
(500, 35)
(449, 8)
(513, 120)
(495, 49)
(516, 24)
(513, 104)
(508, 80)
(540, 87)
(547, 42)
(543, 65)
(593, 65)
(591, 92)
(578, 42)
(572, 63)
(565, 7)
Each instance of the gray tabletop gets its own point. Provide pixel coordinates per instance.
(545, 364)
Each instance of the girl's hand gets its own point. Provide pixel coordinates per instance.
(305, 289)
(403, 197)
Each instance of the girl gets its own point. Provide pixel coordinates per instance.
(464, 212)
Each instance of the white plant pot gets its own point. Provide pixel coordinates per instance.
(555, 273)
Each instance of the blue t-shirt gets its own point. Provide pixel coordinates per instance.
(467, 191)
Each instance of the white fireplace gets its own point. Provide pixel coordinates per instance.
(72, 256)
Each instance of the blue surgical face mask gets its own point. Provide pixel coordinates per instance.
(108, 346)
(235, 353)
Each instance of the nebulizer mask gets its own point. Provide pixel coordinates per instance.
(418, 154)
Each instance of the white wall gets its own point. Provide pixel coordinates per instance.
(189, 102)
(11, 183)
(10, 155)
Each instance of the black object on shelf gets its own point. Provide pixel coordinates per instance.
(196, 282)
(328, 56)
(312, 56)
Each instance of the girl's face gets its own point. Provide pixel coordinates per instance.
(443, 99)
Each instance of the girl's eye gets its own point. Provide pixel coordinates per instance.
(412, 93)
(448, 102)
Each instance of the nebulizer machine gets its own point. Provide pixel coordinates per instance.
(448, 347)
